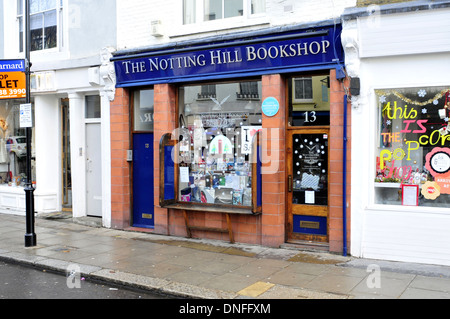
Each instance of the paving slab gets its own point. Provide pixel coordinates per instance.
(209, 269)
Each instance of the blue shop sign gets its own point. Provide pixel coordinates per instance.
(248, 56)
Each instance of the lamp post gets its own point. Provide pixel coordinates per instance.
(30, 236)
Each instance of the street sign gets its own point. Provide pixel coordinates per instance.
(12, 79)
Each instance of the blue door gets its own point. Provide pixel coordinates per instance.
(143, 208)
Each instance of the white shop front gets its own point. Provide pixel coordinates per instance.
(400, 121)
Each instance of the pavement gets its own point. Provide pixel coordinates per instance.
(207, 269)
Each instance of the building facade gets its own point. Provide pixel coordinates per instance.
(230, 122)
(400, 184)
(72, 83)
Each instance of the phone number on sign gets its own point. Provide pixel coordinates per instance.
(13, 93)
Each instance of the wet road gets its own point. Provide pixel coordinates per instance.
(19, 282)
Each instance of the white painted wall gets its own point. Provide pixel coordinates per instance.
(411, 234)
(134, 19)
(48, 154)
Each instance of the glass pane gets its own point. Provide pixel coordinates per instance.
(189, 9)
(93, 107)
(258, 6)
(36, 21)
(143, 110)
(217, 124)
(20, 4)
(233, 8)
(21, 34)
(309, 101)
(13, 149)
(413, 145)
(50, 37)
(310, 169)
(50, 30)
(213, 9)
(41, 5)
(50, 18)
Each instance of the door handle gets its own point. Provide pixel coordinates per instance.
(289, 183)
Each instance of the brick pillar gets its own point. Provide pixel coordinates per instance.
(165, 118)
(120, 168)
(336, 186)
(273, 178)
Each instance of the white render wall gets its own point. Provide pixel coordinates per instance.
(134, 19)
(410, 234)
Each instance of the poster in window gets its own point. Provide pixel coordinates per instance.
(410, 195)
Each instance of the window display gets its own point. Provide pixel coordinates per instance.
(413, 146)
(217, 123)
(12, 144)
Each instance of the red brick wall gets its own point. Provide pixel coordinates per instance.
(164, 122)
(120, 168)
(273, 178)
(337, 94)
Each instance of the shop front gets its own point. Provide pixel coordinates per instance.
(400, 207)
(237, 137)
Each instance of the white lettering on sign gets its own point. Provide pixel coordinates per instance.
(226, 56)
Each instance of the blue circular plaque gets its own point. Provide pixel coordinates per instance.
(270, 106)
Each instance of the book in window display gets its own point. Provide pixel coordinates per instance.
(220, 131)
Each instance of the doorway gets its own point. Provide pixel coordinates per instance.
(143, 155)
(93, 170)
(143, 201)
(307, 169)
(65, 157)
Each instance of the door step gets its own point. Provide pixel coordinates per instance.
(306, 245)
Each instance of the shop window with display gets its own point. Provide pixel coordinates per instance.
(215, 155)
(413, 147)
(13, 149)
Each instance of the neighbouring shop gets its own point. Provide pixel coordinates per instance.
(13, 148)
(400, 121)
(237, 138)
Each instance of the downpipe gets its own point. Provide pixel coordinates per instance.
(344, 180)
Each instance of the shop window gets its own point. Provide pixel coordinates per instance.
(13, 148)
(217, 156)
(44, 16)
(413, 147)
(309, 100)
(143, 104)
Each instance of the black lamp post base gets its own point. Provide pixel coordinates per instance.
(30, 240)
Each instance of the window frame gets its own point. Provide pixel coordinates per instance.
(199, 13)
(379, 186)
(171, 195)
(294, 87)
(20, 8)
